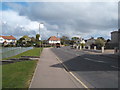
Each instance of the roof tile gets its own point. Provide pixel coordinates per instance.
(53, 38)
(8, 37)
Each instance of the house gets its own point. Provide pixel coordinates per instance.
(80, 41)
(53, 40)
(7, 40)
(90, 42)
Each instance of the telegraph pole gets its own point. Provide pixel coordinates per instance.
(57, 35)
(39, 28)
(39, 39)
(39, 34)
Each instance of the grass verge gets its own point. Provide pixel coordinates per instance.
(19, 74)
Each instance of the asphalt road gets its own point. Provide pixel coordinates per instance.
(95, 71)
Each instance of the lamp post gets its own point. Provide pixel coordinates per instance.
(41, 25)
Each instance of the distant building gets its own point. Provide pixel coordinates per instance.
(80, 41)
(114, 40)
(114, 37)
(53, 40)
(7, 40)
(90, 42)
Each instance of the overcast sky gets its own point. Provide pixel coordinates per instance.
(83, 19)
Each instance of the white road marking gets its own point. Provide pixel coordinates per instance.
(71, 53)
(101, 61)
(94, 60)
(90, 59)
(72, 74)
(87, 58)
(115, 67)
(79, 80)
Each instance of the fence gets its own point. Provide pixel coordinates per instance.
(11, 51)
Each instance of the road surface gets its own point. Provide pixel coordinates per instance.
(94, 70)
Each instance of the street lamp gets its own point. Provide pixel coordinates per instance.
(41, 25)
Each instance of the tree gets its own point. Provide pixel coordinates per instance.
(33, 40)
(37, 37)
(72, 42)
(24, 41)
(82, 44)
(108, 40)
(100, 43)
(75, 38)
(20, 41)
(65, 40)
(101, 38)
(26, 38)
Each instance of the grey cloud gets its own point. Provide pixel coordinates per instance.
(17, 32)
(73, 17)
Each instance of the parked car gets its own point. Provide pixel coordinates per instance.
(57, 45)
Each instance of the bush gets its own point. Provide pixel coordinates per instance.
(100, 43)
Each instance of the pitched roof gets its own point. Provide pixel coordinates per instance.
(53, 38)
(8, 37)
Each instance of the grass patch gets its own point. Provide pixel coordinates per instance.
(17, 75)
(32, 52)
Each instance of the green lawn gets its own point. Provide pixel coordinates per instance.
(19, 74)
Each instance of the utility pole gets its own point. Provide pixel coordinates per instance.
(39, 39)
(40, 36)
(57, 35)
(39, 28)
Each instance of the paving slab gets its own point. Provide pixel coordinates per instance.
(50, 73)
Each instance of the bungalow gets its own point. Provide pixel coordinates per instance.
(80, 41)
(7, 40)
(90, 41)
(53, 40)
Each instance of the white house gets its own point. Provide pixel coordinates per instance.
(53, 40)
(7, 40)
(80, 41)
(90, 41)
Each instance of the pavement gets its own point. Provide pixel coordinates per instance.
(94, 70)
(50, 73)
(106, 53)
